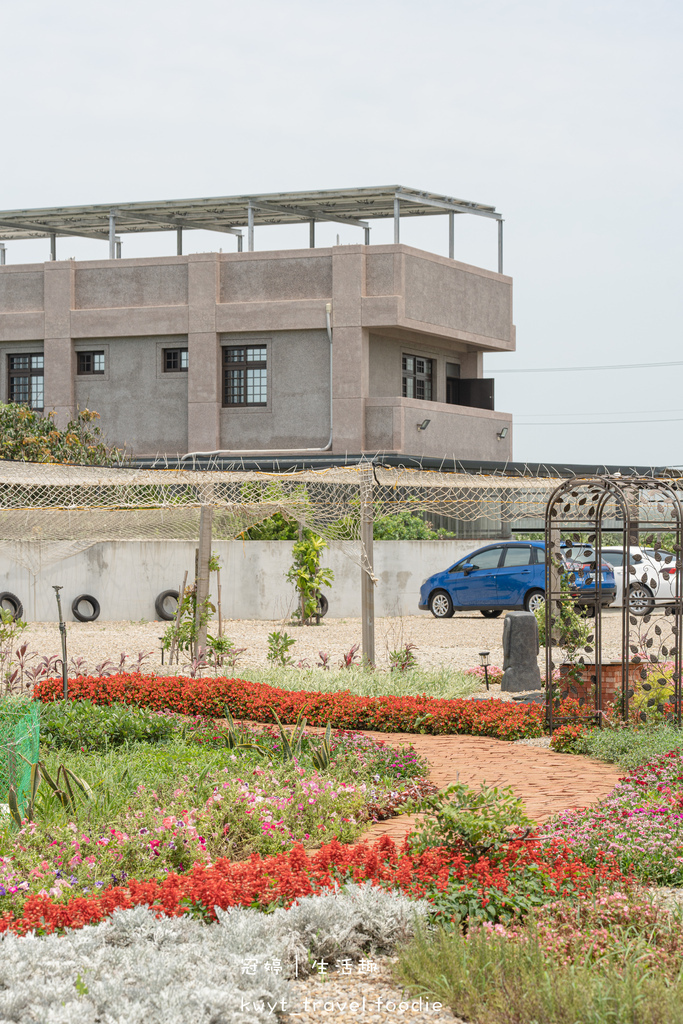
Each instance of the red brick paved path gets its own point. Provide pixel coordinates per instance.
(547, 782)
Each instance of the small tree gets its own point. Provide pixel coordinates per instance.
(307, 575)
(30, 436)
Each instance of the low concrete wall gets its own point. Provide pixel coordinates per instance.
(126, 576)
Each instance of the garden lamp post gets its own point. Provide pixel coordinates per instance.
(484, 658)
(62, 630)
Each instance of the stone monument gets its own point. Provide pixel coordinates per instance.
(520, 651)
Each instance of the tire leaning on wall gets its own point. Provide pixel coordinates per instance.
(160, 605)
(11, 603)
(85, 599)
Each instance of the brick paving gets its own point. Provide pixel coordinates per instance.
(547, 782)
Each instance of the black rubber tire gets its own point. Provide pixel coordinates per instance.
(437, 596)
(92, 601)
(491, 613)
(160, 605)
(323, 606)
(15, 605)
(529, 599)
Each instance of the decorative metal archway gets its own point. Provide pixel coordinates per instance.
(644, 660)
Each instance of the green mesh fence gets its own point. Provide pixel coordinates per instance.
(19, 735)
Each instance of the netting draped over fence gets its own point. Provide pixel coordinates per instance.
(19, 743)
(63, 509)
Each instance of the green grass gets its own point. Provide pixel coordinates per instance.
(490, 979)
(434, 682)
(630, 747)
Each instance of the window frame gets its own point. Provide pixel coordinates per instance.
(244, 365)
(418, 377)
(179, 350)
(82, 355)
(31, 372)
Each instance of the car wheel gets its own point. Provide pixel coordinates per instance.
(491, 613)
(534, 600)
(640, 600)
(440, 605)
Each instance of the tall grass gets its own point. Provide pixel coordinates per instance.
(630, 747)
(490, 979)
(434, 682)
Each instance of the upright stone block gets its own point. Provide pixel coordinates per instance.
(520, 651)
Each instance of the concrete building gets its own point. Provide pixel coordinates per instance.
(349, 349)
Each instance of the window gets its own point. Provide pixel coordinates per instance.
(90, 362)
(245, 375)
(25, 380)
(487, 559)
(517, 556)
(417, 377)
(175, 360)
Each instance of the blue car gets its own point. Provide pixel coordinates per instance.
(508, 575)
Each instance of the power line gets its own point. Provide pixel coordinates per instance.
(593, 423)
(574, 369)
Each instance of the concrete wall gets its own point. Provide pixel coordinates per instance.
(140, 406)
(413, 300)
(126, 577)
(298, 410)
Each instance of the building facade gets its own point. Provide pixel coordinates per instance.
(232, 351)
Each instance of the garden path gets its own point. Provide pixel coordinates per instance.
(546, 781)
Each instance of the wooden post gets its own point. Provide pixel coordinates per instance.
(367, 584)
(205, 519)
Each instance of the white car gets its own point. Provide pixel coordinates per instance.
(654, 577)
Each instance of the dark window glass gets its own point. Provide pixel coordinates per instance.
(90, 362)
(175, 360)
(245, 375)
(488, 559)
(517, 556)
(417, 377)
(25, 380)
(613, 557)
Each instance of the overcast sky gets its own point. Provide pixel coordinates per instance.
(564, 115)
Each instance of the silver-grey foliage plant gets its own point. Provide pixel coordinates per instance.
(136, 968)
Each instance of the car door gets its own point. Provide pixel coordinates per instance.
(517, 575)
(476, 588)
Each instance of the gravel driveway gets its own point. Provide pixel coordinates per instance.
(452, 642)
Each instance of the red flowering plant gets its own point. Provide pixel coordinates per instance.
(504, 720)
(506, 888)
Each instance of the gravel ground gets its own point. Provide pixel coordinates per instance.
(353, 999)
(452, 642)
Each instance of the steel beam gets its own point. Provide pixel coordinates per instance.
(45, 230)
(397, 220)
(250, 228)
(367, 235)
(3, 249)
(53, 247)
(112, 234)
(443, 204)
(294, 211)
(500, 246)
(451, 234)
(179, 222)
(311, 234)
(179, 241)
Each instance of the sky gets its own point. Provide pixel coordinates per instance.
(566, 116)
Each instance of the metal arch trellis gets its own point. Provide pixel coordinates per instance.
(638, 507)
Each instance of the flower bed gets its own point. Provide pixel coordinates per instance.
(504, 720)
(640, 823)
(492, 887)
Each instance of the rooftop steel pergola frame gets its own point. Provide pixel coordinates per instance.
(230, 214)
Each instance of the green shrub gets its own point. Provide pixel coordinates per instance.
(82, 725)
(629, 747)
(474, 820)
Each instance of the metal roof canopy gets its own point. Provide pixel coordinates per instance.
(228, 214)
